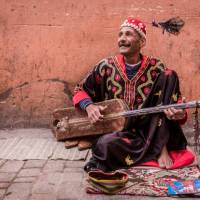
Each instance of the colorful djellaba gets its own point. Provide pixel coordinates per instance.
(149, 85)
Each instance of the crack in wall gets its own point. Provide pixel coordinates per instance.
(22, 85)
(66, 86)
(6, 94)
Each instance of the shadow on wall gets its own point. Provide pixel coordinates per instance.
(31, 104)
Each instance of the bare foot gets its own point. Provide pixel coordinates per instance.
(164, 159)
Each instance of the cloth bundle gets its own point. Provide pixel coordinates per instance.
(109, 183)
(187, 188)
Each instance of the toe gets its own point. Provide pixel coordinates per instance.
(169, 164)
(161, 164)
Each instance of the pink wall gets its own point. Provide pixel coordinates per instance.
(47, 46)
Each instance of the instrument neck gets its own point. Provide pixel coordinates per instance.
(159, 109)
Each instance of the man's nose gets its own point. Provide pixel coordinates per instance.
(122, 38)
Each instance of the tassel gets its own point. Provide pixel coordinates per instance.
(173, 25)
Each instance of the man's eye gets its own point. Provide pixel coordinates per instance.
(128, 33)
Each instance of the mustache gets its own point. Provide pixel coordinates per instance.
(124, 44)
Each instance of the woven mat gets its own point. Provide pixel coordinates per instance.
(38, 148)
(152, 181)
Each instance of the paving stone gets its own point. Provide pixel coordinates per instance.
(74, 164)
(47, 183)
(73, 170)
(7, 177)
(43, 197)
(4, 185)
(70, 186)
(54, 166)
(88, 156)
(72, 177)
(2, 192)
(29, 172)
(19, 191)
(26, 133)
(34, 163)
(12, 166)
(69, 191)
(24, 180)
(12, 197)
(2, 162)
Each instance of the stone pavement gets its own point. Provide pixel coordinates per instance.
(46, 179)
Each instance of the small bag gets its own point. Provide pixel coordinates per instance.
(109, 183)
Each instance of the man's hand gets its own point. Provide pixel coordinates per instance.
(94, 113)
(175, 114)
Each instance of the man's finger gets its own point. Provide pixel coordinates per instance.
(184, 99)
(101, 108)
(98, 114)
(169, 112)
(93, 120)
(166, 112)
(95, 116)
(175, 111)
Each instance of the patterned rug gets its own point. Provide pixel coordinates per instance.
(152, 181)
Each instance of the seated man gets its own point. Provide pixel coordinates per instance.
(141, 81)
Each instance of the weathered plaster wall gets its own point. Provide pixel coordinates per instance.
(46, 46)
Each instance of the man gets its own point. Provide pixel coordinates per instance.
(141, 81)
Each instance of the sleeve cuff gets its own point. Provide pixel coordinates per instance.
(84, 103)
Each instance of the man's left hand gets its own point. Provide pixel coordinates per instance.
(175, 114)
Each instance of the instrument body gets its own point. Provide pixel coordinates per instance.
(72, 122)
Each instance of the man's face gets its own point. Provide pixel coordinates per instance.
(129, 41)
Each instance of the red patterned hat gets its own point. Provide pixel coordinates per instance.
(136, 24)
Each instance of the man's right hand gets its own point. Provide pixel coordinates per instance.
(94, 112)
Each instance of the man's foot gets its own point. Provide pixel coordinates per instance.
(90, 165)
(88, 168)
(94, 165)
(164, 159)
(84, 144)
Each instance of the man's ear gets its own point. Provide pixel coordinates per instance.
(142, 42)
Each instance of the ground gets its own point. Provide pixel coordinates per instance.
(45, 179)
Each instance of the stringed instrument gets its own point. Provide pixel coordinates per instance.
(72, 122)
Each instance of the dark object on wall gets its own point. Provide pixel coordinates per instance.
(173, 25)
